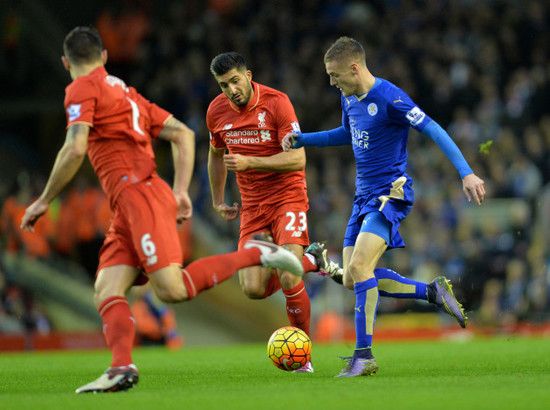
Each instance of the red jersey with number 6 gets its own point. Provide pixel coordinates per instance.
(122, 123)
(257, 129)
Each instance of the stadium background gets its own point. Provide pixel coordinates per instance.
(480, 68)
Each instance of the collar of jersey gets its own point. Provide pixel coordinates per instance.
(251, 104)
(100, 71)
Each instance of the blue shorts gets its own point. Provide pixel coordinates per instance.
(376, 223)
(386, 216)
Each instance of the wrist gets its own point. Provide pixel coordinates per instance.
(44, 200)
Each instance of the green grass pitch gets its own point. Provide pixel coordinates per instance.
(499, 373)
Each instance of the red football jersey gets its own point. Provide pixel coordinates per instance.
(122, 123)
(257, 129)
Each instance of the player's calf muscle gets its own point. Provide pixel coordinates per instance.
(289, 280)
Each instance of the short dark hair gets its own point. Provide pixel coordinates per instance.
(225, 62)
(345, 48)
(83, 45)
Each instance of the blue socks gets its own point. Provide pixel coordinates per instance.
(392, 284)
(366, 304)
(367, 295)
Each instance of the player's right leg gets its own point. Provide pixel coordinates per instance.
(365, 255)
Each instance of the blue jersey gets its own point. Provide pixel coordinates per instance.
(379, 126)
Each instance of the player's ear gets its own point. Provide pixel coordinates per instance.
(66, 63)
(104, 56)
(249, 75)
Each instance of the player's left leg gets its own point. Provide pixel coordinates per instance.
(289, 228)
(391, 284)
(298, 305)
(111, 286)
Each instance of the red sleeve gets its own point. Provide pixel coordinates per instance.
(157, 115)
(215, 138)
(80, 102)
(286, 117)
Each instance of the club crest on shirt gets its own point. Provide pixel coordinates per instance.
(261, 119)
(372, 108)
(74, 111)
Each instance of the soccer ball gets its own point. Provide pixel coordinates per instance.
(289, 348)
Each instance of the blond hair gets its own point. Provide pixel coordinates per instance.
(345, 48)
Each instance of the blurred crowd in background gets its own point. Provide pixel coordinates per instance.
(481, 69)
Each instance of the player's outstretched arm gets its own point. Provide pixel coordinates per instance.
(337, 136)
(68, 161)
(292, 140)
(472, 185)
(182, 139)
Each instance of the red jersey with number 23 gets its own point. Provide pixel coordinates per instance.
(122, 123)
(257, 129)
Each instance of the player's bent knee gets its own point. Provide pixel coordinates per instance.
(171, 294)
(102, 293)
(113, 281)
(359, 272)
(348, 282)
(168, 284)
(254, 292)
(253, 282)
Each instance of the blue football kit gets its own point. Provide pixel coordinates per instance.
(376, 124)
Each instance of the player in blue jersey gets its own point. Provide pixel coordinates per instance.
(376, 117)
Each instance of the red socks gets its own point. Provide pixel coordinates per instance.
(118, 328)
(298, 306)
(208, 272)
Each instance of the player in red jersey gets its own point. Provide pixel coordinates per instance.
(114, 124)
(247, 123)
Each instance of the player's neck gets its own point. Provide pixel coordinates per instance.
(83, 69)
(366, 83)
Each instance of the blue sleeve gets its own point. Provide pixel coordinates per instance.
(337, 136)
(402, 109)
(449, 148)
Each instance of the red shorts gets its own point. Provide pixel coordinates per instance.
(287, 223)
(143, 231)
